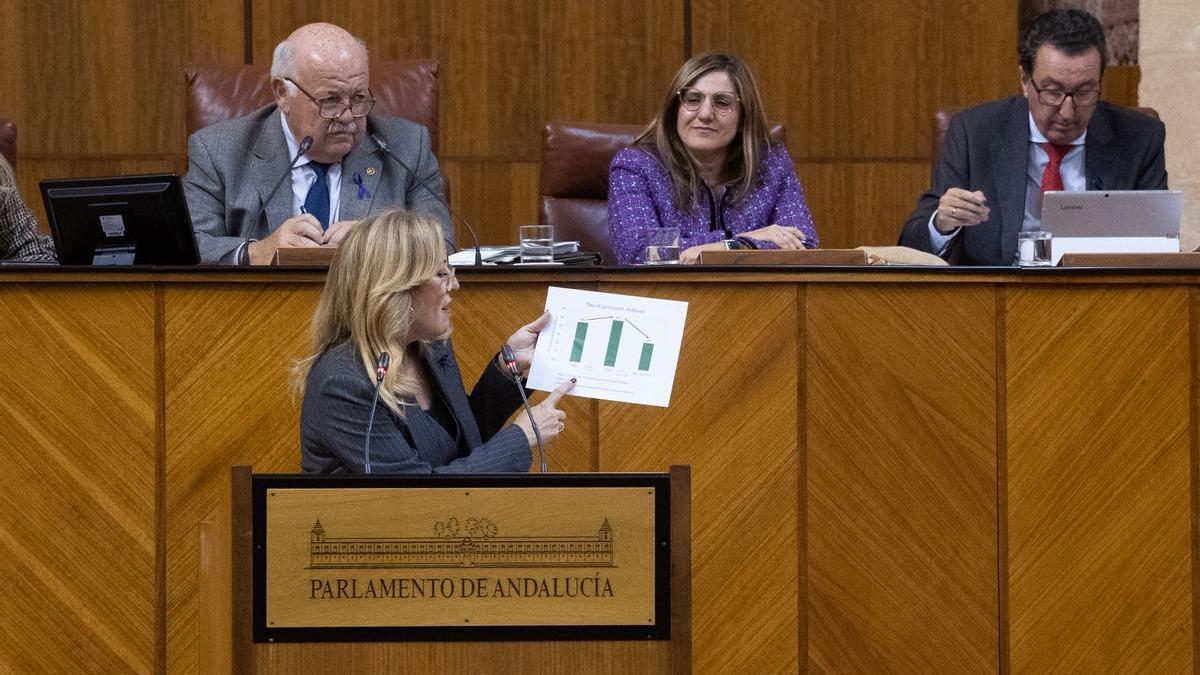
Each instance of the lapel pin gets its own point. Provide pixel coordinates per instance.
(362, 189)
(370, 171)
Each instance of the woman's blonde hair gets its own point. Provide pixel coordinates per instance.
(368, 296)
(746, 151)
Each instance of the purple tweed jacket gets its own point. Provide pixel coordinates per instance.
(640, 197)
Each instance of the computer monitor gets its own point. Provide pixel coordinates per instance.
(120, 220)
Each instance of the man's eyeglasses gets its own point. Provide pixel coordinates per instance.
(1084, 98)
(723, 102)
(332, 107)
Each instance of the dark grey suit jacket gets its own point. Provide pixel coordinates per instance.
(233, 165)
(986, 149)
(337, 404)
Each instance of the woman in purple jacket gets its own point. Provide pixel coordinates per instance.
(706, 165)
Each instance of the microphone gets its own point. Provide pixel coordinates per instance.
(387, 151)
(381, 369)
(304, 146)
(510, 361)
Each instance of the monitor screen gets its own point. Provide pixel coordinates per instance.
(121, 220)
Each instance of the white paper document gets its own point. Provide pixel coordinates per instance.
(617, 347)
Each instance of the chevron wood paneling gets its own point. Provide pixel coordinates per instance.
(1100, 541)
(967, 473)
(901, 464)
(229, 349)
(733, 418)
(77, 502)
(485, 315)
(495, 658)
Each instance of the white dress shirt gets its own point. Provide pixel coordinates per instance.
(303, 177)
(1071, 170)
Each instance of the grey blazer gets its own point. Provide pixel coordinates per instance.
(986, 149)
(337, 404)
(233, 165)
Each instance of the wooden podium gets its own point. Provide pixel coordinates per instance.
(496, 573)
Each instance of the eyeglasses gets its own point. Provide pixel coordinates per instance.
(1084, 98)
(332, 107)
(446, 276)
(723, 102)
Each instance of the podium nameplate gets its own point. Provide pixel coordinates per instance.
(527, 557)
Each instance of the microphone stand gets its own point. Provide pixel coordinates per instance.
(379, 142)
(510, 360)
(305, 145)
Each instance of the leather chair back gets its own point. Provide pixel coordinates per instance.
(8, 141)
(407, 89)
(574, 178)
(941, 122)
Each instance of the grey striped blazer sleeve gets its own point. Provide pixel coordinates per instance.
(336, 416)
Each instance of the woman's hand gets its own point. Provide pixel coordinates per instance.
(523, 341)
(784, 236)
(691, 255)
(550, 420)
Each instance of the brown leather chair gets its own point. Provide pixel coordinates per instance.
(407, 89)
(574, 178)
(8, 141)
(941, 122)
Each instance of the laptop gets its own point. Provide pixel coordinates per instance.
(120, 220)
(1118, 221)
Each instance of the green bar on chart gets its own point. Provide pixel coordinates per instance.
(614, 341)
(577, 345)
(647, 351)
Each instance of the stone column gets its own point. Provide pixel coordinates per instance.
(1169, 56)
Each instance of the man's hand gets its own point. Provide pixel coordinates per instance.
(302, 231)
(959, 208)
(338, 231)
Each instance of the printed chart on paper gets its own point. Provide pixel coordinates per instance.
(617, 347)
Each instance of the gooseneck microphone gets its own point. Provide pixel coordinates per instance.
(303, 148)
(381, 369)
(379, 142)
(510, 361)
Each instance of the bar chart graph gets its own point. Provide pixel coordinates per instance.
(618, 347)
(613, 345)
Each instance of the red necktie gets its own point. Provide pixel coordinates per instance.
(1051, 177)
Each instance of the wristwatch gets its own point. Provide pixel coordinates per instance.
(733, 244)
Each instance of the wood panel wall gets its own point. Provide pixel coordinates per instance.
(906, 473)
(97, 88)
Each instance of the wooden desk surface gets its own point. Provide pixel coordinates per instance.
(905, 470)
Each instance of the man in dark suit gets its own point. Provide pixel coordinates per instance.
(999, 157)
(320, 79)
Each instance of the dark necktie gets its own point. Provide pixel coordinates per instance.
(317, 201)
(1052, 177)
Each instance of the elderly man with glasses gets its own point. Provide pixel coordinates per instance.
(1000, 157)
(319, 76)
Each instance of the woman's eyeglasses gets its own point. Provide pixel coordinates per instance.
(446, 275)
(723, 102)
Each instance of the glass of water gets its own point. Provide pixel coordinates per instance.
(537, 243)
(1033, 248)
(662, 246)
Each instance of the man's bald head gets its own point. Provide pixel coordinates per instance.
(321, 62)
(319, 43)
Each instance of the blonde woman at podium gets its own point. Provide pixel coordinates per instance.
(381, 329)
(706, 164)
